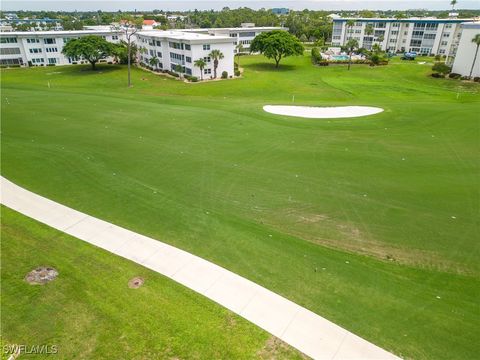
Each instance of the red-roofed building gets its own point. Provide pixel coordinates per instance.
(149, 24)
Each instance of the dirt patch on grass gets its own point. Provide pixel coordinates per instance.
(136, 282)
(276, 349)
(41, 275)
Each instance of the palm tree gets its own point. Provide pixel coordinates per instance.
(240, 49)
(215, 55)
(453, 3)
(350, 24)
(154, 62)
(200, 63)
(476, 41)
(351, 45)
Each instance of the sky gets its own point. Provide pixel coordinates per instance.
(113, 5)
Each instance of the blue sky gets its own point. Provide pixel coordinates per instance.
(113, 5)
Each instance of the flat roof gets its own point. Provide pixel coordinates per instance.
(238, 28)
(407, 20)
(471, 25)
(57, 33)
(181, 35)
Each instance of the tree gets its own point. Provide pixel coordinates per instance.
(130, 27)
(476, 41)
(121, 52)
(351, 45)
(276, 45)
(240, 49)
(441, 68)
(92, 48)
(154, 61)
(215, 55)
(303, 38)
(200, 63)
(453, 3)
(369, 29)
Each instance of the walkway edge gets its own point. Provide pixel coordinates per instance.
(297, 326)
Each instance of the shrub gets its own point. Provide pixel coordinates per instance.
(465, 78)
(224, 75)
(323, 63)
(438, 75)
(476, 79)
(441, 68)
(110, 63)
(316, 56)
(193, 78)
(50, 64)
(454, 76)
(237, 72)
(437, 57)
(235, 66)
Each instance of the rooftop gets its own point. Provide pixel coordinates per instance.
(181, 35)
(58, 33)
(424, 19)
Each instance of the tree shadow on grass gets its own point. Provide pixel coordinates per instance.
(270, 67)
(85, 70)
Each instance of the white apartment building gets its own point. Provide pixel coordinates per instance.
(174, 48)
(463, 62)
(41, 48)
(241, 35)
(426, 36)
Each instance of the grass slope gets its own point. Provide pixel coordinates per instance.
(90, 313)
(285, 202)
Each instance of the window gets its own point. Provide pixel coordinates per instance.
(176, 45)
(431, 26)
(207, 59)
(53, 49)
(188, 59)
(247, 34)
(158, 43)
(429, 36)
(444, 43)
(9, 51)
(10, 61)
(233, 35)
(49, 41)
(152, 53)
(396, 25)
(206, 46)
(415, 42)
(187, 47)
(393, 40)
(32, 41)
(35, 50)
(174, 56)
(394, 32)
(188, 71)
(207, 71)
(114, 37)
(38, 61)
(7, 40)
(159, 54)
(448, 26)
(52, 60)
(441, 51)
(245, 42)
(446, 35)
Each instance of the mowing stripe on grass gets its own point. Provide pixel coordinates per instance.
(297, 326)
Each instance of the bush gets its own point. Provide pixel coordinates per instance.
(437, 57)
(441, 68)
(476, 79)
(438, 75)
(193, 78)
(454, 76)
(465, 78)
(323, 63)
(224, 75)
(316, 56)
(235, 66)
(237, 73)
(110, 63)
(50, 64)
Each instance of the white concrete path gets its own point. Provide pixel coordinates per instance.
(297, 326)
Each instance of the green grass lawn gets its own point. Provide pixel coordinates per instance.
(371, 222)
(89, 312)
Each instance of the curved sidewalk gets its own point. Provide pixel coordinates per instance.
(297, 326)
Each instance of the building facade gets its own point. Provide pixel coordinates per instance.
(241, 35)
(42, 48)
(425, 36)
(465, 55)
(173, 48)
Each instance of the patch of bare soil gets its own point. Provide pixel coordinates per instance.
(276, 349)
(136, 282)
(41, 275)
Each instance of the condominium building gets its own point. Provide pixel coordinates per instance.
(426, 36)
(240, 35)
(173, 48)
(467, 60)
(40, 48)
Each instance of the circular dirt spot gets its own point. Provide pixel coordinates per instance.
(135, 282)
(41, 275)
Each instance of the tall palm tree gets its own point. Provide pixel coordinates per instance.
(476, 41)
(453, 3)
(215, 55)
(154, 62)
(240, 49)
(351, 45)
(350, 24)
(200, 63)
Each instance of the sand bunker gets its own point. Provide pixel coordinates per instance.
(322, 112)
